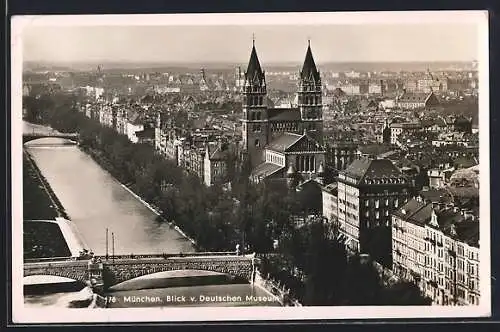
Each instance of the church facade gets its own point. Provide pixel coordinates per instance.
(281, 141)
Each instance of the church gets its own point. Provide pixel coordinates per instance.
(283, 142)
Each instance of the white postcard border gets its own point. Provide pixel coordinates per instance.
(199, 314)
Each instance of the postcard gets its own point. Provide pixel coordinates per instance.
(264, 166)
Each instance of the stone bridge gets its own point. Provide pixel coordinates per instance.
(36, 135)
(117, 269)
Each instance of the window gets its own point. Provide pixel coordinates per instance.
(257, 143)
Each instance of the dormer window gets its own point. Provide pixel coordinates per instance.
(434, 221)
(453, 230)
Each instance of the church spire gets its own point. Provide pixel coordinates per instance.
(254, 70)
(309, 68)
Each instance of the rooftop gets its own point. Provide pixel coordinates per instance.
(453, 223)
(406, 125)
(265, 169)
(414, 97)
(284, 114)
(436, 196)
(370, 169)
(374, 149)
(284, 141)
(331, 188)
(218, 152)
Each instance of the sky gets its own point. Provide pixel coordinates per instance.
(275, 43)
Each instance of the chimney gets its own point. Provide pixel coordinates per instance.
(469, 214)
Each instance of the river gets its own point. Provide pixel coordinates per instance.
(94, 201)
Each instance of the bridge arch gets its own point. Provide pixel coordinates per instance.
(76, 270)
(69, 136)
(177, 278)
(114, 272)
(237, 267)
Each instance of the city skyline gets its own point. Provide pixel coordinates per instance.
(275, 44)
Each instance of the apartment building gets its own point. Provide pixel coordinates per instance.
(215, 164)
(368, 191)
(404, 128)
(437, 247)
(330, 202)
(415, 100)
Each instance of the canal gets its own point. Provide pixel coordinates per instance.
(94, 201)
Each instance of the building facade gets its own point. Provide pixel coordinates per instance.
(398, 129)
(135, 124)
(339, 155)
(368, 191)
(437, 247)
(414, 100)
(330, 202)
(215, 166)
(299, 154)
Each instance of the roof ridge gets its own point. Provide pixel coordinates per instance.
(366, 170)
(422, 206)
(298, 139)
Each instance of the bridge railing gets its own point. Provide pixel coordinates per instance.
(146, 256)
(51, 133)
(49, 259)
(133, 256)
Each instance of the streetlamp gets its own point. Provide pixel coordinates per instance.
(113, 244)
(107, 254)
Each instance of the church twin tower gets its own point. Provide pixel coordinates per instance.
(262, 124)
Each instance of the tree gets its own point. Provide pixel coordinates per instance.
(361, 284)
(325, 261)
(404, 293)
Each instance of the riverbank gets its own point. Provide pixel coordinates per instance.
(39, 200)
(106, 165)
(159, 213)
(273, 288)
